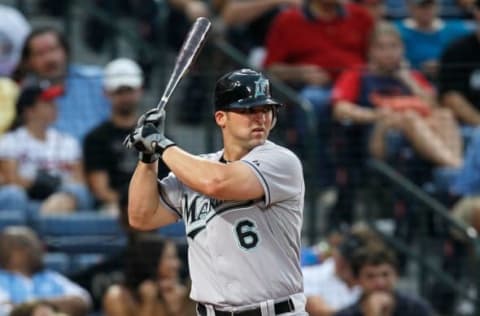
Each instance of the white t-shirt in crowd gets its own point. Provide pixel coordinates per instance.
(56, 154)
(322, 281)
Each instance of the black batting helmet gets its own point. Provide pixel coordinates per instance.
(243, 89)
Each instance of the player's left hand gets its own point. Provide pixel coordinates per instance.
(148, 138)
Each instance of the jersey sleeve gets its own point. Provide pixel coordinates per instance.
(170, 191)
(279, 172)
(95, 156)
(73, 149)
(347, 87)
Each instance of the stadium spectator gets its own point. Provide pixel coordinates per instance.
(248, 21)
(425, 35)
(83, 105)
(8, 96)
(41, 166)
(375, 271)
(14, 28)
(36, 308)
(23, 277)
(305, 49)
(376, 8)
(395, 102)
(459, 77)
(152, 286)
(448, 8)
(108, 164)
(331, 286)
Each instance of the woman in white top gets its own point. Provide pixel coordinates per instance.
(41, 167)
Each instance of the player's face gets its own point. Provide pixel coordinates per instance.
(47, 56)
(248, 127)
(44, 112)
(380, 277)
(169, 264)
(386, 52)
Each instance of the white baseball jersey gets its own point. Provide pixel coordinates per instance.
(244, 252)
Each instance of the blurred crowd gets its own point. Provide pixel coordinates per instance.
(397, 81)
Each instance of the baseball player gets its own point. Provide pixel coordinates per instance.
(242, 205)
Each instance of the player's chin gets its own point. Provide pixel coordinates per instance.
(257, 141)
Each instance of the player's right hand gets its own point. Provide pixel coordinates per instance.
(148, 138)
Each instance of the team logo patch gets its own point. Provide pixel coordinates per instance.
(261, 87)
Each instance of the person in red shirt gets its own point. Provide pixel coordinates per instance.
(308, 47)
(392, 98)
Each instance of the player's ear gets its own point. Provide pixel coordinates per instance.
(220, 118)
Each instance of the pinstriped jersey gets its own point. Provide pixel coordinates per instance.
(244, 252)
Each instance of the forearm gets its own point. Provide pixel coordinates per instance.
(200, 174)
(347, 111)
(143, 194)
(106, 195)
(462, 108)
(420, 92)
(238, 12)
(71, 305)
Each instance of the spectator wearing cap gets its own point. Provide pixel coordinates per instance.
(42, 166)
(459, 76)
(24, 279)
(331, 285)
(83, 105)
(375, 271)
(108, 164)
(425, 35)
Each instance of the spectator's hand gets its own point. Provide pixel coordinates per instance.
(148, 138)
(314, 75)
(148, 290)
(379, 303)
(388, 119)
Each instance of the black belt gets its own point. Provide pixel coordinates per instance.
(280, 308)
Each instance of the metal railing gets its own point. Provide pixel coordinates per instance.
(428, 206)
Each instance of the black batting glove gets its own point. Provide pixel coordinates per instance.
(148, 138)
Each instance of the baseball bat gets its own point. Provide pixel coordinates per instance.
(189, 50)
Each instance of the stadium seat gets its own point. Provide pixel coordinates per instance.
(81, 262)
(12, 217)
(59, 262)
(176, 230)
(85, 232)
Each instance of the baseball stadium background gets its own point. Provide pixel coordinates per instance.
(439, 254)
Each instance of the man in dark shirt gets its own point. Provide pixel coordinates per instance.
(459, 79)
(374, 267)
(108, 164)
